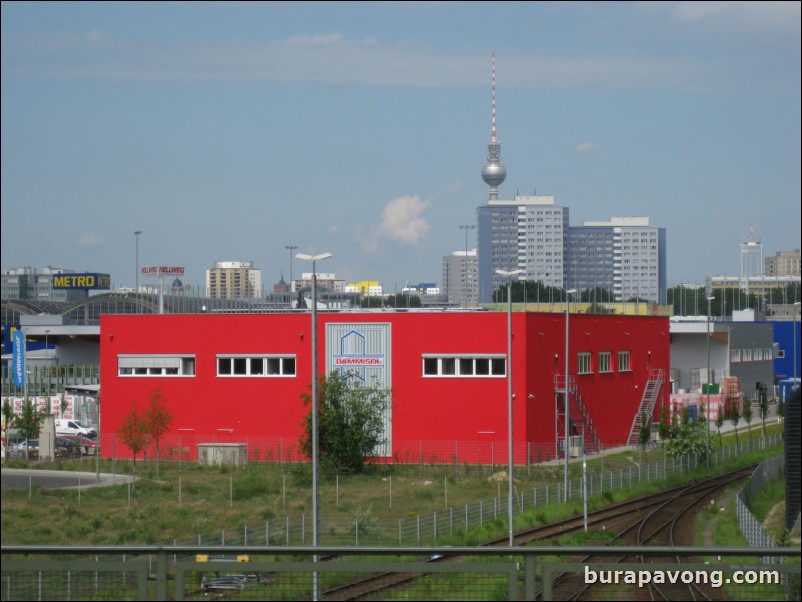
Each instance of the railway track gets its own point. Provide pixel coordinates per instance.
(656, 527)
(648, 519)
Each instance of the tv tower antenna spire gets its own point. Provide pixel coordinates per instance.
(494, 173)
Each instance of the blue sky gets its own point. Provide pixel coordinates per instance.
(226, 131)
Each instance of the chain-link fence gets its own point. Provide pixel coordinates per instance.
(437, 527)
(419, 573)
(750, 526)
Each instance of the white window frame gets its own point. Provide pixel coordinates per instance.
(584, 362)
(605, 362)
(256, 365)
(472, 365)
(735, 356)
(151, 365)
(624, 361)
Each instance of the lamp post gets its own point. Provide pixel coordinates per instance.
(290, 248)
(566, 391)
(709, 299)
(136, 235)
(796, 311)
(510, 493)
(465, 264)
(47, 366)
(315, 443)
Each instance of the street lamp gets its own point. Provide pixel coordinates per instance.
(315, 443)
(136, 234)
(511, 491)
(566, 391)
(47, 366)
(796, 311)
(709, 299)
(290, 248)
(465, 264)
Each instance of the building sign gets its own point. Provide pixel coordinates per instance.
(362, 352)
(18, 358)
(82, 281)
(162, 270)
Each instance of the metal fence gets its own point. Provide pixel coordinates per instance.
(472, 573)
(437, 527)
(750, 526)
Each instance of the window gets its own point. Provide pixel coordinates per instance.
(624, 364)
(584, 363)
(256, 365)
(605, 361)
(747, 355)
(735, 355)
(156, 365)
(465, 366)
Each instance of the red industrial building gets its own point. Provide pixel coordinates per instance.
(239, 378)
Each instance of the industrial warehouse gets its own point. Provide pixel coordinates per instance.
(239, 379)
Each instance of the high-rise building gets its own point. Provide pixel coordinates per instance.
(233, 280)
(525, 233)
(783, 263)
(460, 282)
(751, 256)
(625, 255)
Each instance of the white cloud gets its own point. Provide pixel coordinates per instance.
(742, 16)
(401, 220)
(585, 148)
(89, 240)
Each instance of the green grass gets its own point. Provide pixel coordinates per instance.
(186, 500)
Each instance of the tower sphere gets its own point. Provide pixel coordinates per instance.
(494, 173)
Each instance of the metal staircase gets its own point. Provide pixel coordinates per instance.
(650, 394)
(580, 422)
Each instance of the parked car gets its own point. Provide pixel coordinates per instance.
(74, 427)
(88, 446)
(29, 448)
(68, 447)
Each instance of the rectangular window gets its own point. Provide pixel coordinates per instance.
(735, 355)
(464, 366)
(747, 355)
(605, 361)
(256, 365)
(624, 363)
(155, 365)
(584, 363)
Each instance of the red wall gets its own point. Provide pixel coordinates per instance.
(444, 418)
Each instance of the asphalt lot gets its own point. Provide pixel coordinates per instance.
(20, 478)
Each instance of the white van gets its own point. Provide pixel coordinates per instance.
(74, 427)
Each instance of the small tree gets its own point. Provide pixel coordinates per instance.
(133, 431)
(158, 419)
(29, 422)
(763, 408)
(735, 416)
(720, 423)
(8, 416)
(350, 422)
(665, 423)
(747, 416)
(689, 438)
(644, 435)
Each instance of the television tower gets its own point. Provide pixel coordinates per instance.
(494, 173)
